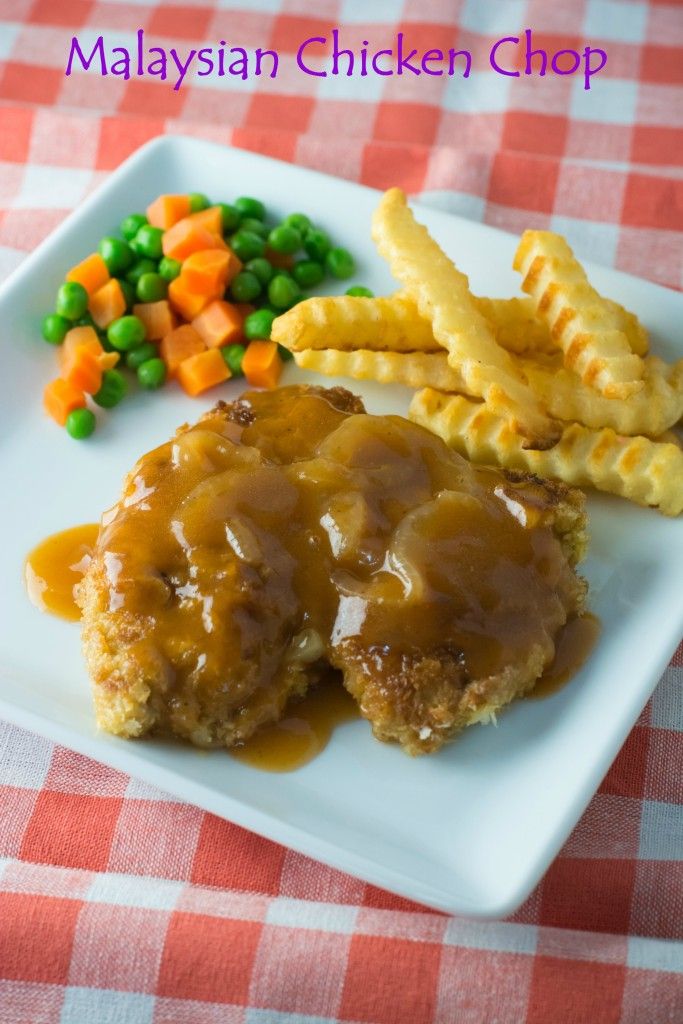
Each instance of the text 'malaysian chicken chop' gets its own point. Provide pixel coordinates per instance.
(289, 531)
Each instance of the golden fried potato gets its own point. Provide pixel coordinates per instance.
(589, 330)
(414, 369)
(651, 412)
(637, 468)
(515, 325)
(393, 324)
(443, 296)
(655, 408)
(513, 321)
(348, 322)
(631, 326)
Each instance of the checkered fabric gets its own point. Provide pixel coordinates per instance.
(119, 905)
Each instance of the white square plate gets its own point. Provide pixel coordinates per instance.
(470, 830)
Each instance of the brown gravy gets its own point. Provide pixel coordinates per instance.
(575, 645)
(289, 532)
(304, 733)
(55, 566)
(345, 526)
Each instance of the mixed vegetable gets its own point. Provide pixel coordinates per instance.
(188, 292)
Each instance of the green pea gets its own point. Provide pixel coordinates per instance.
(128, 292)
(169, 268)
(262, 268)
(245, 287)
(198, 202)
(307, 273)
(116, 254)
(257, 226)
(285, 354)
(246, 245)
(284, 272)
(258, 324)
(299, 221)
(233, 356)
(126, 333)
(131, 224)
(284, 239)
(317, 244)
(112, 389)
(283, 292)
(143, 266)
(361, 291)
(55, 328)
(72, 300)
(137, 356)
(250, 207)
(230, 217)
(151, 288)
(147, 242)
(80, 423)
(340, 263)
(152, 374)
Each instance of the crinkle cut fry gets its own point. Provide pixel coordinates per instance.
(442, 295)
(629, 323)
(515, 324)
(588, 329)
(655, 409)
(636, 468)
(651, 411)
(412, 369)
(348, 322)
(393, 324)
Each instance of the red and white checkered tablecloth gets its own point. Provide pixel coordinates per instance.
(119, 905)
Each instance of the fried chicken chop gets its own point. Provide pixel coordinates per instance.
(289, 531)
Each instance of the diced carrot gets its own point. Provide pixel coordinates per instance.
(79, 337)
(82, 369)
(209, 271)
(203, 371)
(261, 364)
(186, 237)
(234, 266)
(107, 303)
(186, 302)
(157, 317)
(219, 323)
(179, 345)
(91, 272)
(60, 398)
(167, 210)
(108, 360)
(211, 219)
